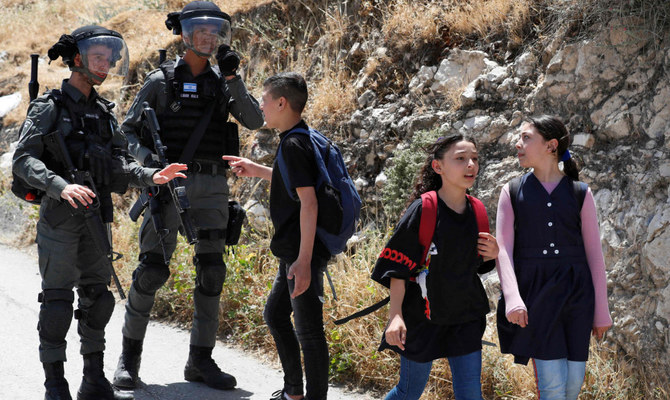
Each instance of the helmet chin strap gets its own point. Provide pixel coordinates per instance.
(91, 78)
(198, 53)
(193, 49)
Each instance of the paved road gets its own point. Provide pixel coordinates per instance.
(165, 351)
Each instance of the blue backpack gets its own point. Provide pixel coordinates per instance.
(339, 203)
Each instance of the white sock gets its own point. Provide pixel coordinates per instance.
(286, 396)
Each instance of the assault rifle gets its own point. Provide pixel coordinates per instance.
(149, 196)
(100, 233)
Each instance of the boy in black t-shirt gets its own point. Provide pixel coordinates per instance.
(298, 286)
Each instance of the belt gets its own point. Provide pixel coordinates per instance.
(208, 168)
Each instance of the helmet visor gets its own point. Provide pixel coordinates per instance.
(104, 55)
(204, 34)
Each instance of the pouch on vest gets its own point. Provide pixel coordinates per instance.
(236, 215)
(26, 192)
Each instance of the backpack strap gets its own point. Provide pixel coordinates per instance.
(579, 190)
(426, 231)
(365, 311)
(428, 221)
(282, 164)
(480, 214)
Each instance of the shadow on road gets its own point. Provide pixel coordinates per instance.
(189, 390)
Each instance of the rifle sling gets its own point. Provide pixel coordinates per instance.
(199, 131)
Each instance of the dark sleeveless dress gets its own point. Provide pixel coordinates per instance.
(553, 276)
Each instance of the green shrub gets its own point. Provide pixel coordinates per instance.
(403, 170)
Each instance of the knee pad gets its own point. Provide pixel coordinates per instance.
(210, 273)
(55, 314)
(96, 305)
(151, 274)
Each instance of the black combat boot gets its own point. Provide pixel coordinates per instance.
(201, 368)
(55, 383)
(127, 371)
(94, 385)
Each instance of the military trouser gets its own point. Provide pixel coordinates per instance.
(208, 197)
(68, 258)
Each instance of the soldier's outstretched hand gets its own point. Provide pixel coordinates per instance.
(169, 173)
(83, 194)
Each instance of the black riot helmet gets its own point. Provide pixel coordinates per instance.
(103, 52)
(203, 26)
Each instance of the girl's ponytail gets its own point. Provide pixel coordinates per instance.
(551, 127)
(570, 169)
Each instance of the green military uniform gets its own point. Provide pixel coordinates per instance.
(187, 107)
(206, 187)
(67, 256)
(71, 151)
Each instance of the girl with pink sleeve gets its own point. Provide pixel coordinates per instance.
(551, 266)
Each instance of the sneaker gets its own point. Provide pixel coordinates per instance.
(281, 395)
(278, 395)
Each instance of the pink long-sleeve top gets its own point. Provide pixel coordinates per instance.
(592, 246)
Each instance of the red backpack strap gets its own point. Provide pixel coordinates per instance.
(480, 214)
(428, 221)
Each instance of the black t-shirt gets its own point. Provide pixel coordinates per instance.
(457, 300)
(302, 171)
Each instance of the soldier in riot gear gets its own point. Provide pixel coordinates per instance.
(192, 100)
(69, 253)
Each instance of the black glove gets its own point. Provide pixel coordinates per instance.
(228, 60)
(100, 162)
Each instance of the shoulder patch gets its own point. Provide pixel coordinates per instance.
(27, 125)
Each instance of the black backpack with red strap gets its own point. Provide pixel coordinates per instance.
(426, 230)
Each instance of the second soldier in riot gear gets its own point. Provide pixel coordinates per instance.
(192, 100)
(69, 252)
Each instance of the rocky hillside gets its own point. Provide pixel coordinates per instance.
(610, 84)
(381, 71)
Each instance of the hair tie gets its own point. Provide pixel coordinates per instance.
(566, 156)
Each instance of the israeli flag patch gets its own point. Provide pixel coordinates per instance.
(190, 87)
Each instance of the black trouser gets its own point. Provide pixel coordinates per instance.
(308, 334)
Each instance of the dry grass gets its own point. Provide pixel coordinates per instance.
(489, 17)
(331, 100)
(408, 23)
(32, 26)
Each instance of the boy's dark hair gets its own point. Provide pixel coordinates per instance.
(428, 179)
(551, 127)
(291, 86)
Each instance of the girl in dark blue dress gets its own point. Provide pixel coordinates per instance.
(443, 315)
(551, 265)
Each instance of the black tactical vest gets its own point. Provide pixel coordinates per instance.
(84, 120)
(186, 103)
(87, 122)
